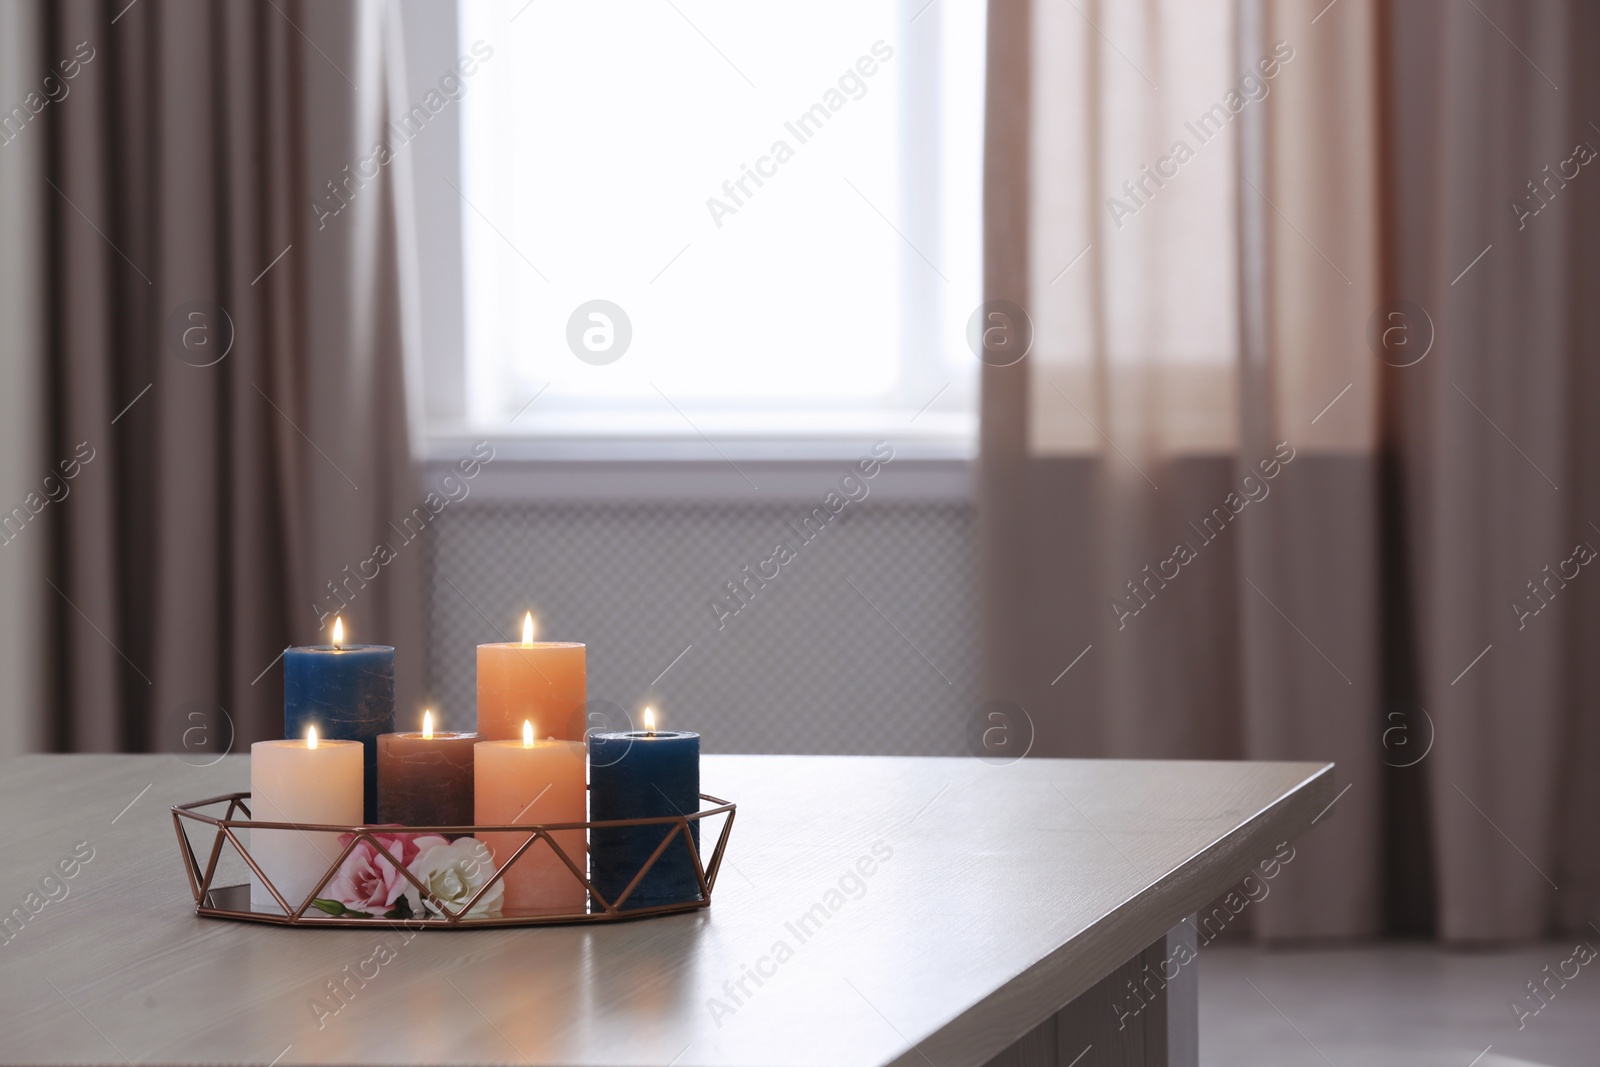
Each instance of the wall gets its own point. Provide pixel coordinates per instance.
(23, 683)
(806, 665)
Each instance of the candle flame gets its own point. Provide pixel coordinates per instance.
(527, 734)
(338, 631)
(527, 630)
(311, 737)
(650, 720)
(427, 725)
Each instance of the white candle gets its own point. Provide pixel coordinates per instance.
(309, 781)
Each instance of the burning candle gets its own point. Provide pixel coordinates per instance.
(643, 774)
(346, 692)
(528, 781)
(539, 680)
(300, 781)
(425, 778)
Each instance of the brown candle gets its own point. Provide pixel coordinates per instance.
(425, 779)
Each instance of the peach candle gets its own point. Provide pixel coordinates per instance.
(539, 680)
(529, 781)
(301, 781)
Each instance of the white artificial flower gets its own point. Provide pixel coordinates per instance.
(454, 871)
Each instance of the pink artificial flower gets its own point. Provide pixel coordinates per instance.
(368, 882)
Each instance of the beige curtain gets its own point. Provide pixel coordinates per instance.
(229, 363)
(1496, 445)
(1220, 518)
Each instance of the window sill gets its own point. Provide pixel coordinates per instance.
(690, 469)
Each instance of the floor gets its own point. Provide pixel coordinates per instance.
(1416, 1005)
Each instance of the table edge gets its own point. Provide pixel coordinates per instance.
(991, 1024)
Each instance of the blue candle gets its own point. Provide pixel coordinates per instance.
(346, 692)
(642, 774)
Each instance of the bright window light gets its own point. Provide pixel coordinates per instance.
(772, 212)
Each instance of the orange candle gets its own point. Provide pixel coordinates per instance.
(539, 680)
(522, 782)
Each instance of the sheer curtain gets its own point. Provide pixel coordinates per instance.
(1178, 561)
(1300, 465)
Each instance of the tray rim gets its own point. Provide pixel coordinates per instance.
(202, 889)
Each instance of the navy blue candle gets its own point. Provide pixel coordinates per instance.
(643, 774)
(346, 692)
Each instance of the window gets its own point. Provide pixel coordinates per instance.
(724, 219)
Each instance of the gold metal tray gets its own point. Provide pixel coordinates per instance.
(233, 901)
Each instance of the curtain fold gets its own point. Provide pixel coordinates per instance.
(1496, 450)
(233, 357)
(1310, 639)
(1226, 512)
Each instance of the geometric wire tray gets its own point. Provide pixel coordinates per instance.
(233, 902)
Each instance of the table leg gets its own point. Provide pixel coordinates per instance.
(1146, 1013)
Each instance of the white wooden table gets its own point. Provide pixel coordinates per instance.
(960, 913)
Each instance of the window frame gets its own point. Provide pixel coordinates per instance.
(931, 416)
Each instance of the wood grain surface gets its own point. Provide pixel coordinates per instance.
(953, 907)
